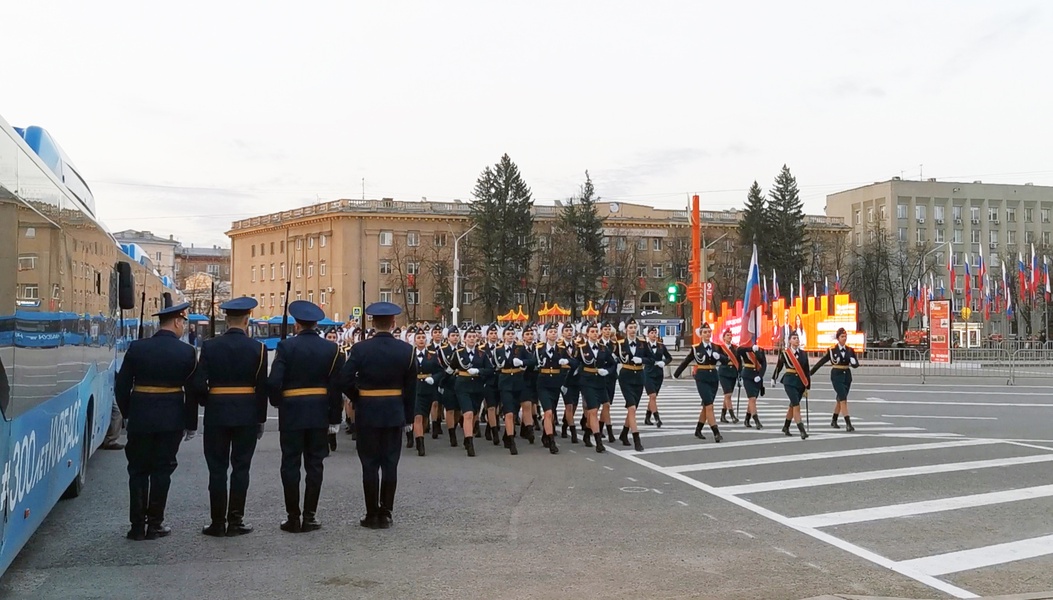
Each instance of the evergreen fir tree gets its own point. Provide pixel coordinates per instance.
(787, 246)
(577, 252)
(755, 228)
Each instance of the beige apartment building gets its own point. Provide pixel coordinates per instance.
(348, 253)
(162, 251)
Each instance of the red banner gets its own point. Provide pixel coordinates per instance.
(940, 331)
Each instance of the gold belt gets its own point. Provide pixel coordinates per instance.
(750, 366)
(633, 367)
(842, 367)
(705, 367)
(590, 369)
(550, 371)
(231, 390)
(511, 371)
(379, 393)
(791, 371)
(297, 392)
(156, 389)
(423, 375)
(465, 374)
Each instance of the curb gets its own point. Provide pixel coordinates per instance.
(1028, 596)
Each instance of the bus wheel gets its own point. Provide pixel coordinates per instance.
(78, 483)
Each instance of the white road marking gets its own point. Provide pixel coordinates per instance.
(941, 417)
(804, 482)
(608, 468)
(907, 509)
(631, 479)
(964, 560)
(656, 491)
(737, 444)
(681, 503)
(958, 404)
(771, 460)
(709, 516)
(749, 535)
(786, 552)
(822, 536)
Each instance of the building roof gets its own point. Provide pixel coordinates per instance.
(202, 252)
(132, 235)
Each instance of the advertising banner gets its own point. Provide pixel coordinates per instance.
(940, 331)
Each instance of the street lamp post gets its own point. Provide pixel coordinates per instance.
(705, 269)
(457, 275)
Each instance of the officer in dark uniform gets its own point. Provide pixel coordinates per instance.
(436, 406)
(510, 362)
(728, 374)
(472, 368)
(528, 400)
(550, 357)
(706, 356)
(796, 381)
(231, 383)
(428, 370)
(150, 393)
(842, 359)
(753, 364)
(597, 363)
(571, 389)
(381, 377)
(304, 386)
(448, 385)
(655, 374)
(492, 386)
(634, 355)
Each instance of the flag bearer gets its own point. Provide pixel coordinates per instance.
(795, 381)
(728, 375)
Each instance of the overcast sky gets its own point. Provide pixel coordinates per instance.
(186, 116)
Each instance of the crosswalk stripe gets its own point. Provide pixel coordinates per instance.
(771, 460)
(803, 482)
(738, 444)
(907, 509)
(976, 558)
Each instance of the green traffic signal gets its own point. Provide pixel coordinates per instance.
(672, 289)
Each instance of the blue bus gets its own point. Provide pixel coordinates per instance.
(70, 302)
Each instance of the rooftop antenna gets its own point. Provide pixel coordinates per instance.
(921, 172)
(363, 188)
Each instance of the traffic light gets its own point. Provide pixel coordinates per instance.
(709, 264)
(674, 293)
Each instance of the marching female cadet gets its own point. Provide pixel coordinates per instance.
(448, 390)
(597, 362)
(510, 361)
(728, 375)
(841, 359)
(436, 406)
(491, 387)
(706, 356)
(473, 367)
(332, 336)
(529, 398)
(571, 390)
(754, 364)
(654, 374)
(427, 369)
(635, 356)
(550, 358)
(795, 381)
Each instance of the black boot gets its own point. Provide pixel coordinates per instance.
(748, 417)
(566, 426)
(436, 429)
(599, 443)
(137, 509)
(489, 433)
(848, 424)
(624, 437)
(217, 503)
(716, 434)
(310, 508)
(495, 435)
(469, 446)
(786, 428)
(573, 435)
(354, 431)
(833, 421)
(371, 492)
(510, 443)
(387, 504)
(586, 434)
(409, 439)
(544, 440)
(636, 442)
(723, 415)
(420, 446)
(647, 420)
(610, 434)
(332, 441)
(292, 509)
(756, 421)
(657, 420)
(349, 426)
(731, 413)
(155, 514)
(236, 515)
(804, 434)
(530, 432)
(453, 437)
(698, 430)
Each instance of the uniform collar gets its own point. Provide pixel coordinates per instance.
(234, 331)
(308, 332)
(384, 334)
(164, 333)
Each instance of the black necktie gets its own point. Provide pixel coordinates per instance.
(632, 345)
(420, 356)
(471, 356)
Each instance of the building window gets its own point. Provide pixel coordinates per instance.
(299, 243)
(28, 291)
(682, 273)
(413, 268)
(658, 272)
(619, 243)
(901, 211)
(214, 270)
(283, 298)
(938, 237)
(412, 296)
(1045, 238)
(1044, 212)
(1010, 237)
(542, 242)
(858, 219)
(321, 242)
(956, 211)
(870, 215)
(254, 251)
(272, 247)
(992, 214)
(641, 271)
(975, 237)
(1010, 215)
(385, 295)
(157, 255)
(263, 272)
(955, 259)
(310, 295)
(440, 239)
(1029, 215)
(520, 297)
(310, 243)
(27, 262)
(974, 214)
(901, 234)
(957, 239)
(299, 270)
(321, 269)
(283, 271)
(919, 212)
(321, 296)
(937, 213)
(413, 238)
(641, 243)
(310, 270)
(881, 213)
(272, 299)
(1029, 237)
(272, 272)
(386, 238)
(281, 246)
(385, 267)
(859, 238)
(298, 295)
(994, 237)
(656, 244)
(467, 297)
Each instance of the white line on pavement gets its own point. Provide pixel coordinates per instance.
(939, 417)
(954, 404)
(997, 554)
(803, 482)
(907, 509)
(789, 458)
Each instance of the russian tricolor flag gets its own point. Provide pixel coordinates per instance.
(751, 304)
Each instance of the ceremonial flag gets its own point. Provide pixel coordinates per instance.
(922, 300)
(751, 304)
(987, 298)
(1021, 270)
(837, 282)
(981, 271)
(1034, 272)
(910, 304)
(774, 284)
(764, 289)
(1045, 273)
(950, 270)
(826, 285)
(800, 284)
(1005, 288)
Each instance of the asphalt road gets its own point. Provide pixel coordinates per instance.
(943, 491)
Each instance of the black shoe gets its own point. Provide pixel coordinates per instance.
(731, 414)
(552, 449)
(638, 445)
(236, 529)
(647, 420)
(409, 440)
(599, 443)
(157, 531)
(748, 417)
(489, 433)
(624, 437)
(610, 434)
(698, 432)
(587, 436)
(291, 524)
(310, 523)
(757, 422)
(137, 533)
(657, 420)
(215, 530)
(723, 415)
(453, 437)
(530, 434)
(370, 521)
(563, 434)
(804, 434)
(833, 422)
(384, 521)
(573, 435)
(496, 434)
(848, 424)
(544, 440)
(436, 429)
(786, 428)
(420, 446)
(510, 443)
(469, 446)
(716, 434)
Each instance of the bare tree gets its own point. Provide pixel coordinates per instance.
(405, 272)
(621, 272)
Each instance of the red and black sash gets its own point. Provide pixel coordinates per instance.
(801, 373)
(731, 355)
(753, 359)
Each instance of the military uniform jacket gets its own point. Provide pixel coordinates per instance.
(837, 356)
(732, 368)
(550, 373)
(304, 384)
(231, 380)
(659, 353)
(427, 362)
(462, 361)
(593, 359)
(448, 362)
(510, 377)
(752, 363)
(785, 363)
(571, 371)
(381, 378)
(612, 348)
(150, 385)
(632, 348)
(706, 357)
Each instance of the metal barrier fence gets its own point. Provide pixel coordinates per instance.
(1032, 364)
(990, 363)
(894, 362)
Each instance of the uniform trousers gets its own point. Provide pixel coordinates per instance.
(379, 449)
(548, 393)
(231, 447)
(309, 445)
(151, 462)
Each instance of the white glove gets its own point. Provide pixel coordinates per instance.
(334, 428)
(714, 355)
(516, 362)
(637, 360)
(189, 434)
(773, 382)
(407, 429)
(757, 379)
(449, 370)
(756, 348)
(660, 364)
(429, 380)
(259, 431)
(442, 390)
(563, 362)
(603, 372)
(853, 361)
(473, 371)
(564, 390)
